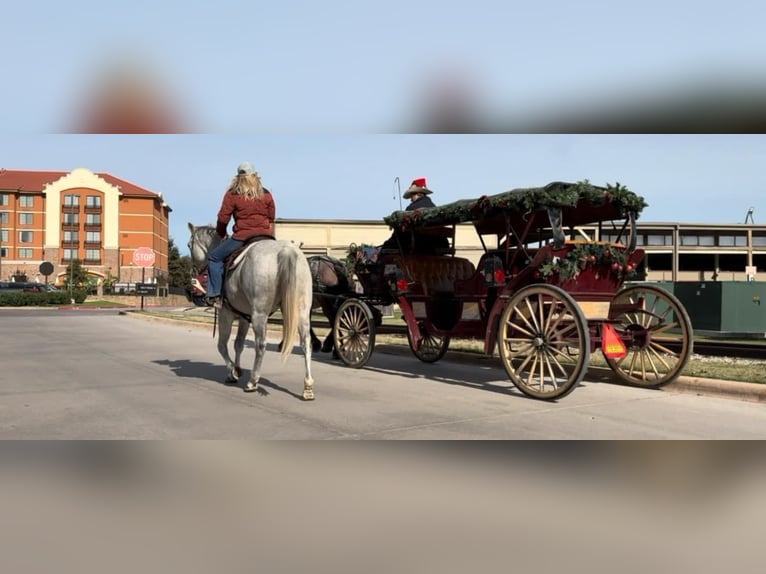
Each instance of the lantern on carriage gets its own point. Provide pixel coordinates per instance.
(494, 272)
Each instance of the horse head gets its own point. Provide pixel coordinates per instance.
(203, 240)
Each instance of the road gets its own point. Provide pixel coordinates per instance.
(95, 374)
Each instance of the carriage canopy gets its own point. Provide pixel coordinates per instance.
(577, 203)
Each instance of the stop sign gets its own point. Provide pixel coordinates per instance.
(143, 257)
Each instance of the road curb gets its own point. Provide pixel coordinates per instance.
(750, 392)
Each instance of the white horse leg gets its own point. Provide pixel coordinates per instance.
(304, 331)
(239, 345)
(259, 328)
(225, 323)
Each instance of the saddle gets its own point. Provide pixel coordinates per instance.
(233, 260)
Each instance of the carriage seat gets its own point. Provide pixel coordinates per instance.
(437, 274)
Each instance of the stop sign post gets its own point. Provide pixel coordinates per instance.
(143, 257)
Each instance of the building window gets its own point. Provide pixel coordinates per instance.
(26, 201)
(93, 237)
(93, 201)
(4, 235)
(26, 218)
(71, 236)
(732, 241)
(93, 219)
(71, 218)
(71, 201)
(3, 252)
(70, 254)
(5, 199)
(759, 240)
(25, 253)
(25, 237)
(655, 240)
(92, 254)
(5, 217)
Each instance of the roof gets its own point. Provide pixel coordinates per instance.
(35, 181)
(577, 197)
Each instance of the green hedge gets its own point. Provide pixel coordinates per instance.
(22, 299)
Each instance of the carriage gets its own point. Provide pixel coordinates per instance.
(544, 295)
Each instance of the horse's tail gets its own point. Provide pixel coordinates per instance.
(289, 296)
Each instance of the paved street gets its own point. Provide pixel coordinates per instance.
(97, 374)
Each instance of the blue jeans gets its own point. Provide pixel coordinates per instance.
(216, 260)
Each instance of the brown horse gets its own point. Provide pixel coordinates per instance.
(331, 283)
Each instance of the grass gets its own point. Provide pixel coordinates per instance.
(98, 303)
(729, 369)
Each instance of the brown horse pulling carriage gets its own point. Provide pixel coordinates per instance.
(543, 294)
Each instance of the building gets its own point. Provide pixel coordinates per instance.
(100, 219)
(674, 251)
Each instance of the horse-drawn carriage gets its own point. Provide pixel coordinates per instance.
(544, 294)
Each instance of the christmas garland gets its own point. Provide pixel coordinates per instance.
(557, 194)
(584, 255)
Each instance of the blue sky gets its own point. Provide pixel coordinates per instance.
(688, 178)
(342, 66)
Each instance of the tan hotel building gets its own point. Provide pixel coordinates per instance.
(59, 216)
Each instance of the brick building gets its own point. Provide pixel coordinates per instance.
(58, 216)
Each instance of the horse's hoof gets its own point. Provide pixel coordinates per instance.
(327, 348)
(308, 395)
(251, 388)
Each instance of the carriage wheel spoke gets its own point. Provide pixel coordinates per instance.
(532, 370)
(559, 365)
(660, 357)
(519, 328)
(524, 363)
(550, 369)
(664, 328)
(562, 354)
(523, 318)
(656, 345)
(532, 314)
(651, 363)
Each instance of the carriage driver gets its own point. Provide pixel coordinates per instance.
(253, 209)
(418, 195)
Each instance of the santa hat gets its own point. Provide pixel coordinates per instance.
(418, 186)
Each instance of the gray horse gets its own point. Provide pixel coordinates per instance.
(268, 275)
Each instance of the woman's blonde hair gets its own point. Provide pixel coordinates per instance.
(248, 186)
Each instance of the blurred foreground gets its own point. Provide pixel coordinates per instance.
(439, 507)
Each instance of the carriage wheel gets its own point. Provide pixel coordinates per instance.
(544, 342)
(432, 347)
(354, 333)
(658, 335)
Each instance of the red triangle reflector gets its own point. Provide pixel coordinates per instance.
(611, 344)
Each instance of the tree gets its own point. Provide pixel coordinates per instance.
(179, 268)
(76, 274)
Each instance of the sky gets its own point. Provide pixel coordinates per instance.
(344, 66)
(685, 178)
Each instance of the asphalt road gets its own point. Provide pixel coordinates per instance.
(95, 374)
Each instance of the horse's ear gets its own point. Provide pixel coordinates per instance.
(191, 227)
